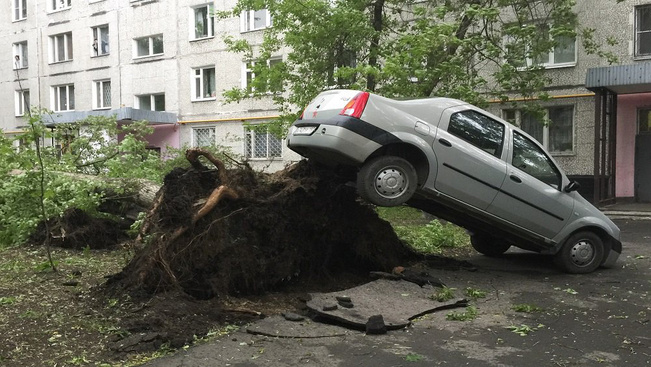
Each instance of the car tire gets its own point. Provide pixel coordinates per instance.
(488, 245)
(582, 253)
(387, 181)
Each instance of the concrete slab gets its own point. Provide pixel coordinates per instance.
(279, 327)
(398, 301)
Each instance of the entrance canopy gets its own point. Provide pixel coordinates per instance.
(620, 79)
(122, 114)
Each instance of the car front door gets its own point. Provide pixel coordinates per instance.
(532, 196)
(469, 147)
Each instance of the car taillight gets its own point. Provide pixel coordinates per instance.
(356, 105)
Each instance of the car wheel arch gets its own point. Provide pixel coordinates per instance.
(412, 154)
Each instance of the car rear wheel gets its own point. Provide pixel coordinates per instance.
(582, 253)
(488, 245)
(387, 181)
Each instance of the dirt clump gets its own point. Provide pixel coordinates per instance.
(238, 232)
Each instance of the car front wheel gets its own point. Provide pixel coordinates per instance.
(582, 253)
(489, 246)
(387, 181)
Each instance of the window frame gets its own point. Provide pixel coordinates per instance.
(200, 78)
(546, 136)
(211, 131)
(18, 7)
(210, 19)
(59, 5)
(247, 26)
(54, 97)
(99, 94)
(20, 105)
(96, 34)
(550, 63)
(150, 46)
(152, 101)
(637, 32)
(248, 70)
(20, 49)
(67, 47)
(250, 145)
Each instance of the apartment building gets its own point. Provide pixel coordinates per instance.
(166, 61)
(156, 60)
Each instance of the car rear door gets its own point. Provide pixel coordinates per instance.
(532, 195)
(469, 147)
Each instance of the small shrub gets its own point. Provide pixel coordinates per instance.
(468, 315)
(444, 294)
(523, 307)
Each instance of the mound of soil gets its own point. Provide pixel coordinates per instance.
(76, 229)
(301, 223)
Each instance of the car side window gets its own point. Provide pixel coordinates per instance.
(478, 130)
(530, 158)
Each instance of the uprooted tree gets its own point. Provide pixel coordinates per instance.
(216, 231)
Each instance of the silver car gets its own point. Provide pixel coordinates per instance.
(462, 164)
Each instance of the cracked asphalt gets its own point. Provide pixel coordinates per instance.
(599, 319)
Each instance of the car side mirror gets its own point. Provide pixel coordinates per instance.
(572, 186)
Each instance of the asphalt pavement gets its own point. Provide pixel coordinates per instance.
(598, 319)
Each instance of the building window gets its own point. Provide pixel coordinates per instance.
(259, 143)
(19, 8)
(151, 102)
(643, 30)
(100, 40)
(644, 121)
(22, 102)
(562, 53)
(20, 55)
(57, 5)
(102, 94)
(149, 46)
(555, 131)
(61, 47)
(203, 136)
(204, 84)
(252, 20)
(202, 22)
(63, 98)
(249, 72)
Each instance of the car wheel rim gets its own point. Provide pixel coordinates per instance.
(582, 253)
(390, 182)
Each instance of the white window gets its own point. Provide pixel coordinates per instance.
(248, 72)
(204, 84)
(102, 94)
(149, 46)
(259, 143)
(555, 131)
(56, 5)
(643, 30)
(20, 55)
(19, 9)
(203, 136)
(252, 20)
(100, 40)
(202, 22)
(63, 98)
(151, 102)
(61, 47)
(562, 54)
(22, 102)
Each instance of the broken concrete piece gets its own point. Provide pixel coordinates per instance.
(397, 301)
(375, 325)
(329, 307)
(290, 316)
(346, 304)
(343, 299)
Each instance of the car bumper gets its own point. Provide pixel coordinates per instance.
(613, 254)
(332, 145)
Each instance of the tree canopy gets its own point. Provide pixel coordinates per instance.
(467, 49)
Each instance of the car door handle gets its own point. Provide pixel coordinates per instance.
(515, 178)
(445, 142)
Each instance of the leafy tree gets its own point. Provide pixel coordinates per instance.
(466, 49)
(42, 181)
